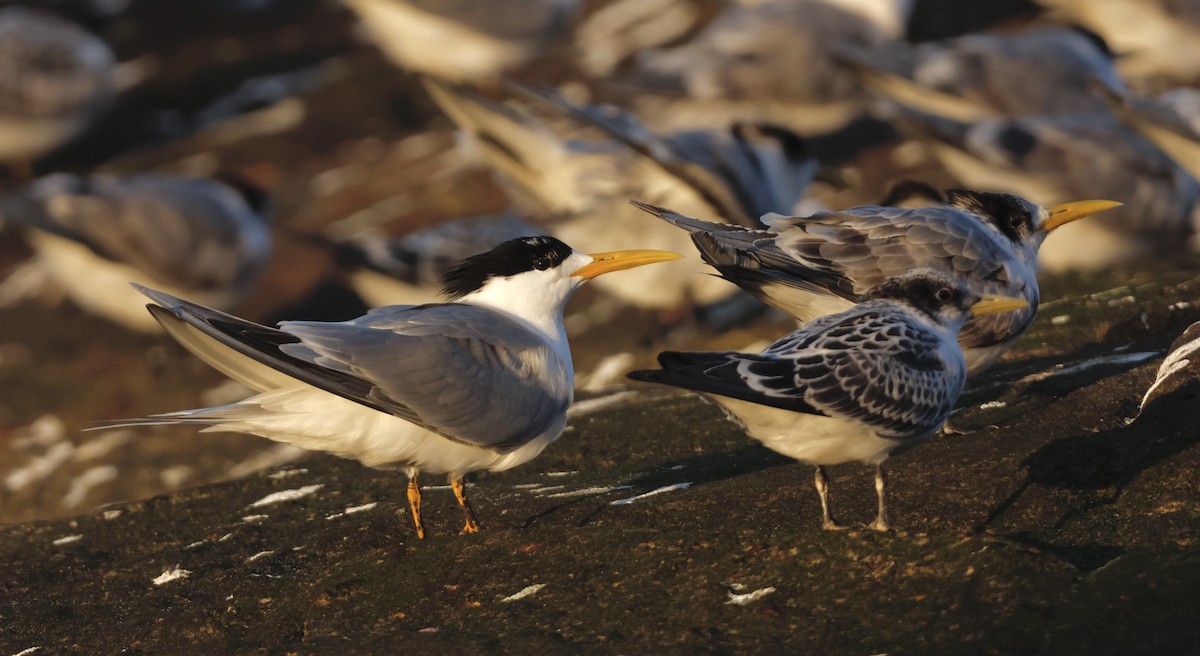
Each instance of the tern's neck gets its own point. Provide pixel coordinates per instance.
(539, 308)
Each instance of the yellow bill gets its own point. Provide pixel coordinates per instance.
(618, 260)
(1065, 213)
(997, 304)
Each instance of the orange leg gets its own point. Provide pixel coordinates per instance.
(414, 502)
(460, 493)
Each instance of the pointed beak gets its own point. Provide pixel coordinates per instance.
(1065, 213)
(617, 260)
(997, 304)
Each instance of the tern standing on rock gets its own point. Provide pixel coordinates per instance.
(809, 266)
(860, 385)
(480, 383)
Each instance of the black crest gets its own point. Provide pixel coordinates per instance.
(926, 290)
(508, 259)
(1012, 215)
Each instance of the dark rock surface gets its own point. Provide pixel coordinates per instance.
(1057, 525)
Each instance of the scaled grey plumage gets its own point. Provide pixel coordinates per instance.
(578, 168)
(1052, 158)
(93, 234)
(860, 385)
(809, 266)
(55, 79)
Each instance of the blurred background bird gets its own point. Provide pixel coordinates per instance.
(1158, 41)
(465, 40)
(56, 78)
(578, 169)
(765, 61)
(92, 235)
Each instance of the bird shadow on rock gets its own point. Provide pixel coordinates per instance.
(1102, 465)
(1029, 385)
(699, 470)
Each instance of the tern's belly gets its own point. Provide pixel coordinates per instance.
(809, 438)
(319, 421)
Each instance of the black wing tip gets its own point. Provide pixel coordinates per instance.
(651, 209)
(172, 304)
(645, 375)
(671, 362)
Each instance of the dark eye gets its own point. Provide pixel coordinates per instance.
(944, 294)
(541, 264)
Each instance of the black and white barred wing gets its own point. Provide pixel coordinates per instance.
(875, 366)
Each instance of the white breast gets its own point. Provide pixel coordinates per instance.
(809, 438)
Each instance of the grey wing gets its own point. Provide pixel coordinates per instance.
(190, 232)
(464, 372)
(856, 249)
(869, 365)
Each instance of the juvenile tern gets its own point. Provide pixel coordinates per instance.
(809, 266)
(92, 234)
(861, 385)
(482, 382)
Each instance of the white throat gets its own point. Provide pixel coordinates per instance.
(534, 298)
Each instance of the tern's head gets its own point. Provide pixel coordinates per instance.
(940, 297)
(1025, 223)
(536, 273)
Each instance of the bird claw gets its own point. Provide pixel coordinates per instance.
(881, 525)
